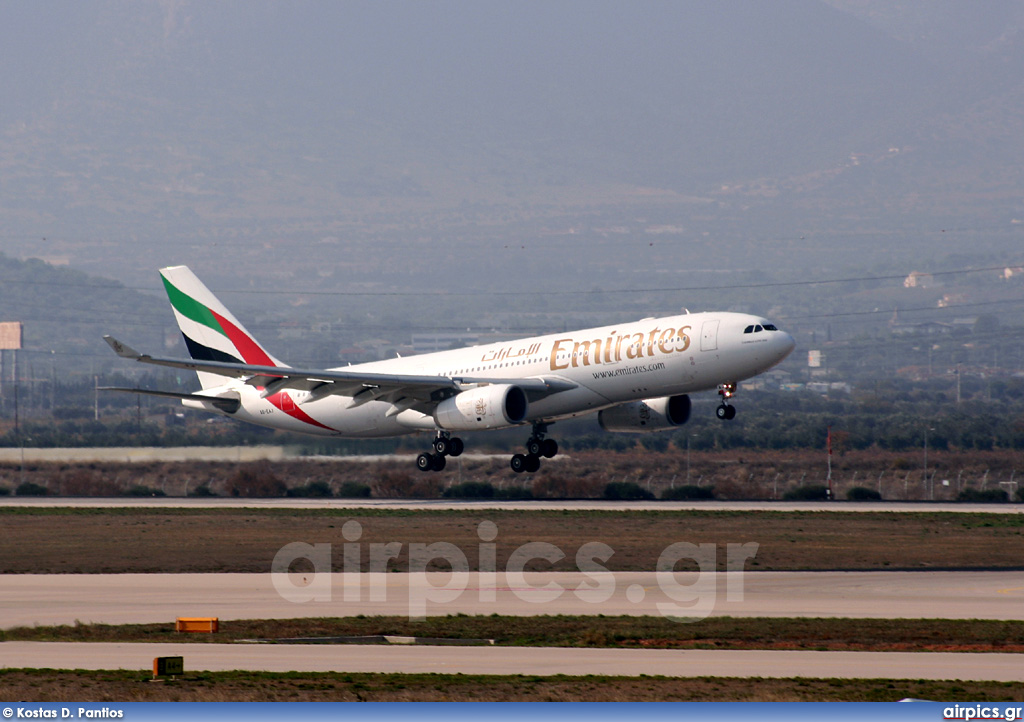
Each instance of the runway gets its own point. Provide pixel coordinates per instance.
(156, 598)
(484, 505)
(519, 660)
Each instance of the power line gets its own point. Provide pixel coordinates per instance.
(602, 291)
(879, 311)
(114, 286)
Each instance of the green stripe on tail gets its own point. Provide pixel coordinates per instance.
(191, 308)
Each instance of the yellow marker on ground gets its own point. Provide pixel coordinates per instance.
(208, 625)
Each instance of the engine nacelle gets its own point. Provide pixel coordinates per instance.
(649, 415)
(485, 407)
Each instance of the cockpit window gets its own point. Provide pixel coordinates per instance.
(770, 327)
(758, 329)
(748, 329)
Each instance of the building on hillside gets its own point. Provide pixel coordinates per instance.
(917, 279)
(899, 327)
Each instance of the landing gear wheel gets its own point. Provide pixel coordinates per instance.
(549, 448)
(725, 412)
(442, 446)
(528, 463)
(534, 446)
(455, 446)
(430, 462)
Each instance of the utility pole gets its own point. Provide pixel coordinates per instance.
(688, 459)
(828, 442)
(17, 427)
(926, 430)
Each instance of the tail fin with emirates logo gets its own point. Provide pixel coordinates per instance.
(211, 332)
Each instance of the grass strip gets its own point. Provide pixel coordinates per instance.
(94, 541)
(44, 685)
(825, 634)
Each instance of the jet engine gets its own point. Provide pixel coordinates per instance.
(648, 415)
(485, 407)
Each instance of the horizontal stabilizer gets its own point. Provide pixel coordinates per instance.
(227, 404)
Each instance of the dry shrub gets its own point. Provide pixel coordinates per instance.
(730, 486)
(562, 486)
(429, 486)
(729, 489)
(256, 479)
(391, 484)
(86, 482)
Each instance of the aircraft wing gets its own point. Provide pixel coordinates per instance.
(409, 390)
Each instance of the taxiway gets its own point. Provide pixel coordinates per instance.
(519, 660)
(36, 599)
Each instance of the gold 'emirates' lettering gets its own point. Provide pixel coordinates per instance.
(567, 352)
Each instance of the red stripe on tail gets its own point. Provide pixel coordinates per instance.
(250, 350)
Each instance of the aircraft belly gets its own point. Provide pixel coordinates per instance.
(664, 376)
(368, 420)
(575, 402)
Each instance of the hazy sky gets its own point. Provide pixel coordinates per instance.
(134, 134)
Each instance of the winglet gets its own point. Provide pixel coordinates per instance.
(121, 349)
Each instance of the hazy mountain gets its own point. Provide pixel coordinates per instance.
(405, 142)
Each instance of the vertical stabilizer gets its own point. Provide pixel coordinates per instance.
(211, 332)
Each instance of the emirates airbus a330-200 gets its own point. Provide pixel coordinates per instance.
(636, 376)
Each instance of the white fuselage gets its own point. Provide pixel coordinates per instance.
(609, 365)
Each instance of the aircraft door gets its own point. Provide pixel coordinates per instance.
(709, 336)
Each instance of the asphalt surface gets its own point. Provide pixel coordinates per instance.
(518, 660)
(153, 598)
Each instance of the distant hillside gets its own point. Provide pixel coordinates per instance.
(65, 313)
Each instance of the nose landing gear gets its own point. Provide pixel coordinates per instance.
(725, 410)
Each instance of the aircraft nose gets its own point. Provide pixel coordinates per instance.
(786, 345)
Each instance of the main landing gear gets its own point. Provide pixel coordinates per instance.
(444, 445)
(536, 447)
(725, 410)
